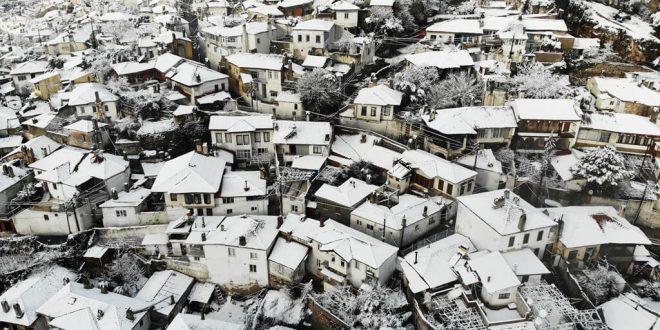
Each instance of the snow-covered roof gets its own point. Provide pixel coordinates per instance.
(59, 157)
(433, 166)
(40, 145)
(351, 147)
(83, 125)
(302, 132)
(161, 286)
(344, 6)
(563, 163)
(260, 232)
(544, 24)
(287, 96)
(81, 35)
(497, 23)
(101, 166)
(485, 161)
(116, 16)
(625, 123)
(620, 312)
(75, 307)
(96, 252)
(271, 10)
(442, 59)
(251, 28)
(243, 184)
(524, 262)
(314, 25)
(235, 124)
(505, 219)
(85, 93)
(382, 3)
(155, 239)
(132, 198)
(313, 61)
(288, 253)
(309, 162)
(194, 322)
(32, 293)
(379, 95)
(189, 73)
(164, 62)
(257, 61)
(29, 67)
(190, 173)
(183, 110)
(293, 3)
(468, 120)
(149, 127)
(131, 67)
(201, 292)
(467, 26)
(493, 276)
(628, 90)
(409, 208)
(545, 109)
(348, 194)
(11, 141)
(586, 43)
(435, 262)
(596, 225)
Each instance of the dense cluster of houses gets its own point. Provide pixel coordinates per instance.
(274, 194)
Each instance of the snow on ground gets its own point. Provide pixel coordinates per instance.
(636, 27)
(278, 306)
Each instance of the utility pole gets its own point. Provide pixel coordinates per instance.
(550, 145)
(650, 149)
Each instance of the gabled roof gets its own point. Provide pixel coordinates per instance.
(191, 74)
(260, 231)
(133, 197)
(442, 59)
(468, 120)
(193, 322)
(190, 173)
(493, 276)
(348, 194)
(315, 25)
(545, 24)
(628, 90)
(288, 253)
(257, 61)
(379, 95)
(344, 6)
(271, 10)
(545, 109)
(467, 26)
(433, 166)
(83, 125)
(56, 158)
(524, 262)
(161, 286)
(240, 123)
(596, 225)
(234, 184)
(302, 132)
(29, 67)
(409, 208)
(85, 93)
(38, 145)
(625, 123)
(505, 219)
(131, 67)
(293, 3)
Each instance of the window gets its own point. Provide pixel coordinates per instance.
(294, 208)
(318, 39)
(257, 137)
(120, 213)
(318, 149)
(345, 15)
(363, 112)
(512, 240)
(218, 137)
(357, 265)
(469, 186)
(370, 227)
(54, 185)
(462, 189)
(228, 138)
(243, 154)
(21, 78)
(229, 211)
(299, 38)
(231, 252)
(539, 236)
(450, 188)
(525, 278)
(46, 217)
(386, 111)
(295, 106)
(258, 41)
(526, 239)
(262, 150)
(572, 255)
(254, 208)
(253, 255)
(227, 200)
(242, 139)
(173, 197)
(307, 38)
(504, 295)
(342, 263)
(273, 94)
(106, 108)
(373, 111)
(209, 212)
(266, 137)
(253, 268)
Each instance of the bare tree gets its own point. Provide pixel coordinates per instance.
(456, 90)
(126, 270)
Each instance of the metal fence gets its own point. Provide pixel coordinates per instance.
(427, 241)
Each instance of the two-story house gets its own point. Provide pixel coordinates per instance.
(502, 221)
(23, 72)
(626, 132)
(314, 37)
(196, 80)
(422, 171)
(294, 139)
(454, 128)
(94, 100)
(539, 119)
(444, 61)
(248, 137)
(337, 202)
(87, 134)
(334, 254)
(377, 103)
(346, 14)
(624, 95)
(250, 37)
(455, 31)
(257, 75)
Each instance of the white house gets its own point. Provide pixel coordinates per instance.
(94, 100)
(499, 284)
(627, 132)
(300, 138)
(455, 31)
(258, 75)
(235, 250)
(289, 106)
(250, 37)
(444, 61)
(624, 95)
(23, 72)
(401, 220)
(346, 14)
(250, 138)
(286, 262)
(196, 80)
(377, 103)
(135, 207)
(526, 265)
(340, 254)
(243, 192)
(313, 35)
(167, 291)
(81, 305)
(502, 221)
(337, 202)
(489, 169)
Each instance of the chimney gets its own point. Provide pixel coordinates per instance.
(44, 151)
(322, 222)
(426, 211)
(172, 301)
(327, 137)
(198, 146)
(246, 188)
(522, 221)
(130, 315)
(242, 241)
(363, 138)
(97, 97)
(488, 280)
(99, 313)
(86, 283)
(104, 288)
(203, 237)
(416, 257)
(203, 223)
(11, 171)
(222, 227)
(126, 188)
(18, 311)
(244, 39)
(5, 170)
(202, 315)
(5, 306)
(114, 194)
(307, 115)
(280, 222)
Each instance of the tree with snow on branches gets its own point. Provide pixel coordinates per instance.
(603, 168)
